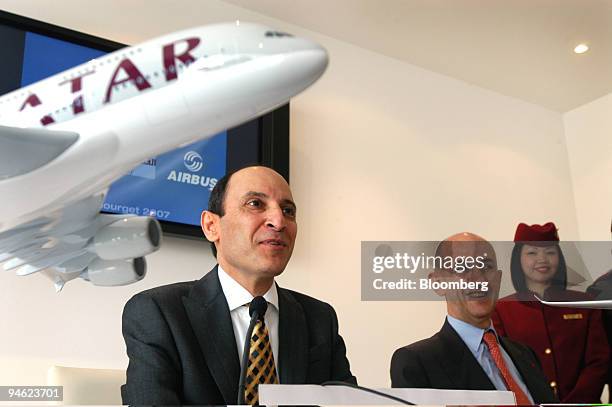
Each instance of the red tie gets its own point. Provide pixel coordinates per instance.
(491, 340)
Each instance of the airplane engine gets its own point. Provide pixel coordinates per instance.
(115, 272)
(128, 238)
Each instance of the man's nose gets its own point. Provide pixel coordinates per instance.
(276, 219)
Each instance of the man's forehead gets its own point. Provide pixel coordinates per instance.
(464, 248)
(259, 181)
(472, 249)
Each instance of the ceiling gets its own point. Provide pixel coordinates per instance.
(520, 48)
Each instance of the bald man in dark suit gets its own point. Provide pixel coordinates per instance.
(467, 354)
(185, 341)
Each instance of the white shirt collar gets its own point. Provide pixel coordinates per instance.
(237, 296)
(471, 335)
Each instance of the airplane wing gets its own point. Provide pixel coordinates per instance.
(25, 149)
(598, 304)
(78, 241)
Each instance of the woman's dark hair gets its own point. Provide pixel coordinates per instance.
(559, 280)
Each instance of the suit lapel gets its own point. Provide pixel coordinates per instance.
(293, 339)
(210, 319)
(462, 367)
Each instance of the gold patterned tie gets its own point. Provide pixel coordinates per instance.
(261, 368)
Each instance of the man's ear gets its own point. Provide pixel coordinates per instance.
(210, 225)
(498, 276)
(495, 283)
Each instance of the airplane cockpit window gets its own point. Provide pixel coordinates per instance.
(277, 34)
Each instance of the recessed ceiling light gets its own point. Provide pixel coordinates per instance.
(581, 48)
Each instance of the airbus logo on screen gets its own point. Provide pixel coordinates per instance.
(193, 161)
(192, 179)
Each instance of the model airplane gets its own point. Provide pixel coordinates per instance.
(65, 139)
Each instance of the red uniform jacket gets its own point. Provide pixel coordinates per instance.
(570, 342)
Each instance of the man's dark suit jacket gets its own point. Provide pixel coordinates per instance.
(445, 362)
(182, 350)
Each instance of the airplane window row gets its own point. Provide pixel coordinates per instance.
(105, 60)
(81, 73)
(139, 80)
(76, 74)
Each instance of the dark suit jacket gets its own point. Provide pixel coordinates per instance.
(182, 350)
(601, 289)
(445, 362)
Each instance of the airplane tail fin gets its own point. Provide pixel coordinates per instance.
(24, 150)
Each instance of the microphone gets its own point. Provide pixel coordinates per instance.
(257, 310)
(368, 390)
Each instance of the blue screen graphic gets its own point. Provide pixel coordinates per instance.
(45, 56)
(181, 179)
(174, 186)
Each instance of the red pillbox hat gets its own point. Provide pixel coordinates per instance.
(536, 233)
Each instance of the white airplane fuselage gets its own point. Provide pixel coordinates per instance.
(141, 101)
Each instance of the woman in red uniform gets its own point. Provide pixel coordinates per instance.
(570, 342)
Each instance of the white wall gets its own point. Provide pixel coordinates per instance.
(380, 150)
(588, 130)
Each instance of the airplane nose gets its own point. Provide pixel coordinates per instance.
(316, 56)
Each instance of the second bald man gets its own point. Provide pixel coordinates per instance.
(467, 353)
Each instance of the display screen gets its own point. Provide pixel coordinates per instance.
(173, 187)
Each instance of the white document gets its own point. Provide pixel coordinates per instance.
(306, 394)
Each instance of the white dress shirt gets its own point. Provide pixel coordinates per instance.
(238, 299)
